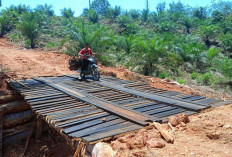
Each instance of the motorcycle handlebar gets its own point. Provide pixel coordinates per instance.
(88, 55)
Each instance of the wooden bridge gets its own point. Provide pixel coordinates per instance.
(93, 111)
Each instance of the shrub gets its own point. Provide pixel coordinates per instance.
(164, 75)
(206, 78)
(15, 37)
(51, 45)
(181, 81)
(194, 75)
(106, 60)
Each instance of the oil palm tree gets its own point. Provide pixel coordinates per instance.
(30, 27)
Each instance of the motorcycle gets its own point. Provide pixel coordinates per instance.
(92, 69)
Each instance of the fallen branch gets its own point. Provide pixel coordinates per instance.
(166, 135)
(170, 125)
(151, 80)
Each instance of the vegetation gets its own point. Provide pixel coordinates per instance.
(176, 41)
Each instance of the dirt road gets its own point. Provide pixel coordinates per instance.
(31, 63)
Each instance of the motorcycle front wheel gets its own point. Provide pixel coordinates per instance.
(95, 74)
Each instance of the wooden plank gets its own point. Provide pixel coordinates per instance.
(139, 102)
(144, 109)
(47, 98)
(187, 96)
(116, 95)
(112, 98)
(208, 101)
(171, 93)
(118, 110)
(51, 102)
(98, 136)
(59, 107)
(98, 91)
(93, 129)
(196, 98)
(181, 103)
(118, 98)
(181, 95)
(150, 91)
(90, 125)
(39, 91)
(72, 111)
(107, 93)
(113, 127)
(39, 94)
(156, 111)
(169, 113)
(35, 89)
(136, 84)
(80, 115)
(72, 115)
(141, 105)
(221, 103)
(83, 120)
(43, 95)
(147, 87)
(126, 100)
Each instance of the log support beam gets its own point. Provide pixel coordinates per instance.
(1, 128)
(9, 98)
(39, 128)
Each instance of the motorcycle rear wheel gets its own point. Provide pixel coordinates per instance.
(82, 75)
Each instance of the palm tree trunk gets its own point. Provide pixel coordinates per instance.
(147, 5)
(89, 4)
(32, 43)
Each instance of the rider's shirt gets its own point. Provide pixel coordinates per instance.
(85, 52)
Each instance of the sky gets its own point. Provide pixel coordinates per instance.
(79, 5)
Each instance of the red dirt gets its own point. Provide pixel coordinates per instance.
(191, 139)
(31, 63)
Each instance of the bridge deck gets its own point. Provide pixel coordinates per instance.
(92, 111)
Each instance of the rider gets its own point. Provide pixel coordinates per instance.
(85, 51)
